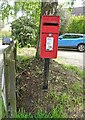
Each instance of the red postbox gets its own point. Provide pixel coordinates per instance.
(49, 36)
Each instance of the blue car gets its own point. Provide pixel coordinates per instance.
(72, 40)
(6, 41)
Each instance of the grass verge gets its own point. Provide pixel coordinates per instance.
(65, 94)
(75, 69)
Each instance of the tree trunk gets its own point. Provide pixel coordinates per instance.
(22, 41)
(37, 51)
(47, 8)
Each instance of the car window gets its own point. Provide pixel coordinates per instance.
(67, 36)
(77, 36)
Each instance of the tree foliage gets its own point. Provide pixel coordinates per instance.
(76, 24)
(26, 28)
(25, 31)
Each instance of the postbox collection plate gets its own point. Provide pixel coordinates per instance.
(49, 43)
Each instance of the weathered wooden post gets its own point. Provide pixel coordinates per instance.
(6, 77)
(12, 87)
(46, 73)
(10, 81)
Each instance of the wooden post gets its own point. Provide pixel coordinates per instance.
(12, 88)
(46, 73)
(10, 81)
(6, 74)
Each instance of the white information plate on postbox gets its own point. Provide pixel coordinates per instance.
(49, 43)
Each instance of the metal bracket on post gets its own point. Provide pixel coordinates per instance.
(46, 73)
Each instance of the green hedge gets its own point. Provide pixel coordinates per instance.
(76, 24)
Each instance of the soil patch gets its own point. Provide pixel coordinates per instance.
(65, 88)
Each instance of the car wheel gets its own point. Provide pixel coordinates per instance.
(81, 47)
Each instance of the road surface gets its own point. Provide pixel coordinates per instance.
(72, 57)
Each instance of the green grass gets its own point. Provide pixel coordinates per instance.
(24, 55)
(26, 51)
(77, 87)
(0, 105)
(41, 114)
(57, 112)
(75, 69)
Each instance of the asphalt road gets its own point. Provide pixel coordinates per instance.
(72, 57)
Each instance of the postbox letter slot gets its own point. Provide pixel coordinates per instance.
(50, 24)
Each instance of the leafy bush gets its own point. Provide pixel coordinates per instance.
(76, 24)
(25, 31)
